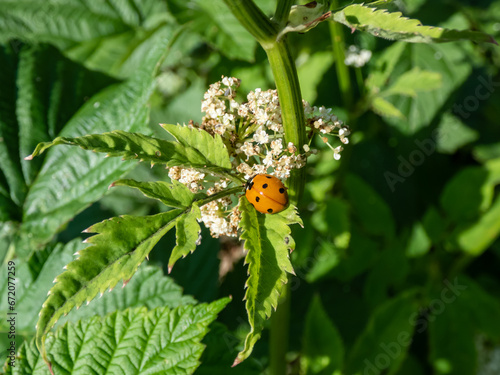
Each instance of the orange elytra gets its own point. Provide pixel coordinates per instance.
(267, 194)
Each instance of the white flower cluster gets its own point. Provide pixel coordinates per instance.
(253, 135)
(323, 121)
(187, 176)
(357, 57)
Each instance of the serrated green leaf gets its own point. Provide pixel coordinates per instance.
(61, 24)
(140, 147)
(121, 245)
(149, 287)
(136, 341)
(71, 179)
(268, 264)
(383, 108)
(187, 232)
(111, 37)
(174, 194)
(211, 147)
(393, 26)
(323, 350)
(388, 333)
(413, 81)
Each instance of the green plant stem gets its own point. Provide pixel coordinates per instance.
(337, 36)
(292, 110)
(280, 323)
(252, 18)
(285, 75)
(282, 12)
(221, 194)
(292, 113)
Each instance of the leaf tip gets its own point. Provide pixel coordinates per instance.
(236, 362)
(30, 157)
(170, 268)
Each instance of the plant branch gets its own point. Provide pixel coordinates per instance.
(292, 112)
(282, 12)
(338, 46)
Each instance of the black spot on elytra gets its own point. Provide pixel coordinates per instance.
(257, 199)
(282, 190)
(270, 210)
(265, 186)
(268, 176)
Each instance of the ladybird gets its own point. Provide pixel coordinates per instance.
(267, 194)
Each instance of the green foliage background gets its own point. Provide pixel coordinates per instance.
(397, 264)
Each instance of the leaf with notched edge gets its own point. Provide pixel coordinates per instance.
(268, 264)
(120, 246)
(394, 26)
